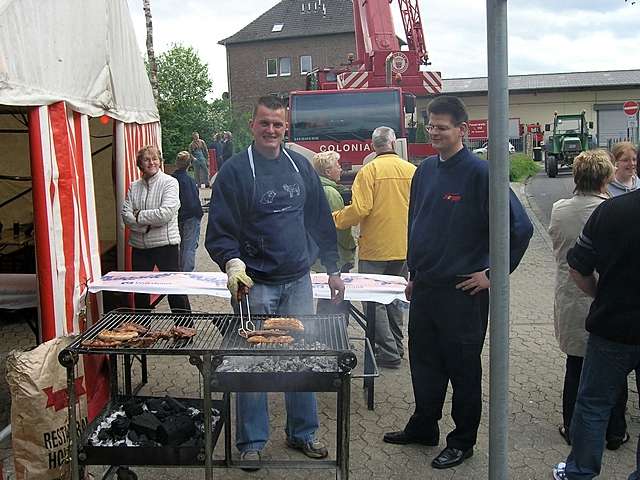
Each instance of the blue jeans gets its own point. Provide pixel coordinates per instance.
(604, 373)
(189, 236)
(201, 172)
(252, 414)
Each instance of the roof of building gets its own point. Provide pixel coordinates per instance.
(548, 81)
(297, 18)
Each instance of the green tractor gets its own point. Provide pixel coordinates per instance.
(570, 137)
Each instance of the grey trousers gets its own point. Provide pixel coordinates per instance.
(389, 335)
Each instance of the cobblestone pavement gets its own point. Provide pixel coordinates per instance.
(536, 373)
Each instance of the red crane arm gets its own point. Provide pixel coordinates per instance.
(412, 23)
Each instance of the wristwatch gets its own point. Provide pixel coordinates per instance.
(334, 274)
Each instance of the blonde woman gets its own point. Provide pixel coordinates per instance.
(626, 178)
(327, 165)
(592, 172)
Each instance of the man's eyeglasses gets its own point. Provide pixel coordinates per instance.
(440, 128)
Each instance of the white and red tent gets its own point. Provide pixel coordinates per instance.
(66, 61)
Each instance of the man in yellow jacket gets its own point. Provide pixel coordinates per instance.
(380, 204)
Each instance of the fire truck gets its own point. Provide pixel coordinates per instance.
(343, 105)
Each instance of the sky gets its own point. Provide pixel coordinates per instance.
(545, 36)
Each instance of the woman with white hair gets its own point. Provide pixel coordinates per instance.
(327, 165)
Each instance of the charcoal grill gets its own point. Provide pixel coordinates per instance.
(217, 339)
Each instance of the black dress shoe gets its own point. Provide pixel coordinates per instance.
(401, 438)
(450, 457)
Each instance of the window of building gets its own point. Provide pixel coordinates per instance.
(305, 64)
(272, 67)
(285, 66)
(277, 27)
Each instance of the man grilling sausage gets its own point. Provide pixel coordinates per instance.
(268, 220)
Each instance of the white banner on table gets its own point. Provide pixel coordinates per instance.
(358, 286)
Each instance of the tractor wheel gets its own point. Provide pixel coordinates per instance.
(552, 166)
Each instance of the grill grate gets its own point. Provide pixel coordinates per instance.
(218, 333)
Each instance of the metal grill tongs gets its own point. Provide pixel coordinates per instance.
(247, 326)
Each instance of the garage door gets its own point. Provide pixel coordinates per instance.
(612, 126)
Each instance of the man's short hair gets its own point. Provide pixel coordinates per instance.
(323, 161)
(382, 137)
(269, 101)
(449, 105)
(145, 149)
(620, 148)
(592, 170)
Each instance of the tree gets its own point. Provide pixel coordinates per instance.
(153, 66)
(183, 88)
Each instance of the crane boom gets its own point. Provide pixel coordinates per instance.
(412, 22)
(378, 50)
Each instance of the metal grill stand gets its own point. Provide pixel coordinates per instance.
(217, 339)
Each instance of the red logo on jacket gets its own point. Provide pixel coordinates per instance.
(60, 398)
(452, 197)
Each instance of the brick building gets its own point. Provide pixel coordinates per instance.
(273, 53)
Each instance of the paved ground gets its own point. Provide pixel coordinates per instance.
(543, 192)
(535, 384)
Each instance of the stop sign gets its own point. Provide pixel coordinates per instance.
(630, 108)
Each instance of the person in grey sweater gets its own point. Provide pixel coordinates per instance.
(626, 178)
(150, 210)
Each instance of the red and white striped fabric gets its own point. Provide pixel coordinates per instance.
(357, 79)
(432, 82)
(66, 232)
(128, 139)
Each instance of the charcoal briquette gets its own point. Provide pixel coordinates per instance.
(120, 426)
(132, 408)
(156, 404)
(146, 424)
(175, 405)
(176, 430)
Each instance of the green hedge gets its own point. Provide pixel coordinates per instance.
(522, 167)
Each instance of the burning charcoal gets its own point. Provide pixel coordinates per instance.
(104, 434)
(120, 426)
(174, 405)
(132, 408)
(176, 430)
(146, 424)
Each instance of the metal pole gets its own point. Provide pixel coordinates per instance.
(499, 238)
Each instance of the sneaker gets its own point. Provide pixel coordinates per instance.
(312, 449)
(251, 456)
(559, 471)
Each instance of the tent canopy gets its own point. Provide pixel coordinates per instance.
(78, 51)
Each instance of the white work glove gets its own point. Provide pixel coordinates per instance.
(237, 276)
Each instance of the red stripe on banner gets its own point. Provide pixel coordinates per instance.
(81, 195)
(41, 227)
(64, 158)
